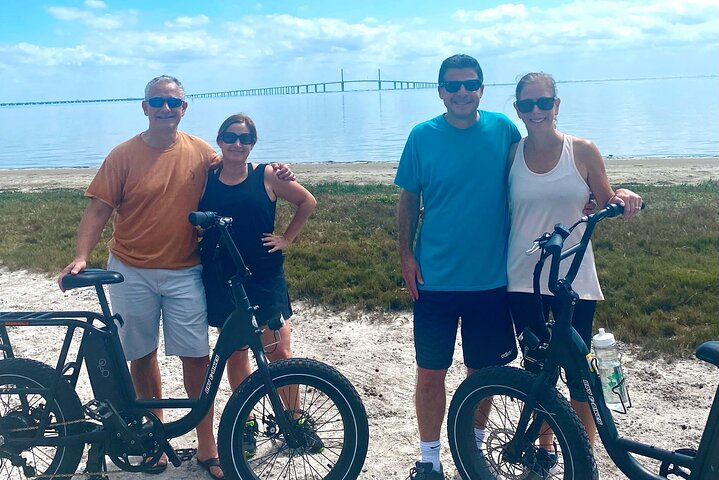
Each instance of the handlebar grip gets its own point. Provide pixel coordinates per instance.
(203, 219)
(615, 209)
(554, 244)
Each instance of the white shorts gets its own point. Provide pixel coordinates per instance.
(147, 293)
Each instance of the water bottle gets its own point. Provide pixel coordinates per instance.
(610, 371)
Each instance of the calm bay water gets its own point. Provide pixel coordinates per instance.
(640, 118)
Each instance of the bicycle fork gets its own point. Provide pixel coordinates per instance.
(281, 417)
(530, 424)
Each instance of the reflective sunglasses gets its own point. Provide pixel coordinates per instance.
(452, 86)
(159, 102)
(230, 138)
(527, 105)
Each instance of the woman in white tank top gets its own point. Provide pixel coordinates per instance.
(551, 177)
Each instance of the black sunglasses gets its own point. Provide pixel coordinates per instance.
(452, 86)
(230, 138)
(527, 105)
(159, 102)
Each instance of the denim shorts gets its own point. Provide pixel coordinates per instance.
(487, 333)
(146, 295)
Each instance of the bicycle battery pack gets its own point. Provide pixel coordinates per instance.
(107, 368)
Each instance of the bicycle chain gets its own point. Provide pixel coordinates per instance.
(184, 454)
(61, 424)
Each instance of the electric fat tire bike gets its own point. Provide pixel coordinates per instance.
(519, 408)
(308, 420)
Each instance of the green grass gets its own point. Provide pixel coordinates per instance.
(659, 272)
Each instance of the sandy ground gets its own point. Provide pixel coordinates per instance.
(671, 399)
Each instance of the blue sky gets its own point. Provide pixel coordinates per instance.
(64, 49)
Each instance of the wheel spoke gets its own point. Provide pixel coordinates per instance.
(558, 445)
(324, 412)
(21, 414)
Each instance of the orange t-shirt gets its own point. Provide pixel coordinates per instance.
(153, 191)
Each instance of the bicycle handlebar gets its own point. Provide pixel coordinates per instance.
(203, 219)
(207, 220)
(552, 245)
(609, 211)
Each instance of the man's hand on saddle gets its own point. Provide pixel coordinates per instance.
(74, 268)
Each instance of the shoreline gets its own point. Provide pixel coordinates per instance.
(644, 170)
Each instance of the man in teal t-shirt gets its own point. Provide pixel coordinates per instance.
(455, 165)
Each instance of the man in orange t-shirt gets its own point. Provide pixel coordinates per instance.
(152, 182)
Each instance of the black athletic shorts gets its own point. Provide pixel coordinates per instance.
(523, 307)
(268, 292)
(487, 334)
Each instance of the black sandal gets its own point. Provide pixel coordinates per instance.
(208, 464)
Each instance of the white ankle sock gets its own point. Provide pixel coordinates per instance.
(430, 453)
(479, 435)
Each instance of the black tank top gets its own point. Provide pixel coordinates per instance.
(253, 214)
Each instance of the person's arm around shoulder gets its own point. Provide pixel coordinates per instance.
(407, 219)
(591, 165)
(283, 172)
(89, 232)
(296, 194)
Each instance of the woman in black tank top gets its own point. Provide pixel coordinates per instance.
(248, 193)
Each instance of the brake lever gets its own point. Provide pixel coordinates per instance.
(538, 243)
(534, 248)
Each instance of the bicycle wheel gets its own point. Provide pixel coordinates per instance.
(20, 416)
(506, 390)
(325, 410)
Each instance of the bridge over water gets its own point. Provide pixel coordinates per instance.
(318, 87)
(336, 86)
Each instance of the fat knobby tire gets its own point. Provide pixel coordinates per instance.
(508, 389)
(66, 410)
(326, 400)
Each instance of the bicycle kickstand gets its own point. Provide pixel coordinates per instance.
(96, 464)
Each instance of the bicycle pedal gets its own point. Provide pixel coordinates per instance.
(96, 410)
(185, 454)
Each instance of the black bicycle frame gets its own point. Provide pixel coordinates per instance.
(566, 349)
(238, 331)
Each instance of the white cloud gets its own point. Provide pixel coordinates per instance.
(599, 24)
(188, 22)
(100, 22)
(257, 49)
(95, 4)
(507, 30)
(26, 53)
(505, 12)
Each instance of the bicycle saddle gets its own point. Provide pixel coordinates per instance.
(709, 352)
(90, 277)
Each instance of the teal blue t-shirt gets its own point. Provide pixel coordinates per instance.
(461, 176)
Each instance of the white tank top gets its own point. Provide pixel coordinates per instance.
(537, 202)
